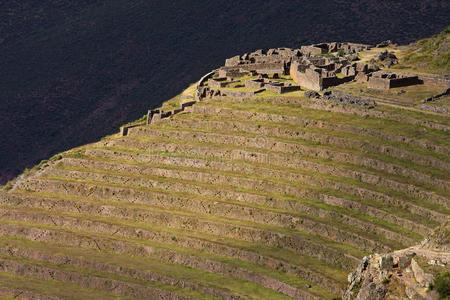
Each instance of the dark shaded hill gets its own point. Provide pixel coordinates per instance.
(71, 73)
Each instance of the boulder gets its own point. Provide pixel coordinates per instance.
(312, 94)
(384, 44)
(422, 278)
(353, 57)
(233, 61)
(404, 262)
(362, 77)
(386, 262)
(383, 55)
(362, 67)
(348, 99)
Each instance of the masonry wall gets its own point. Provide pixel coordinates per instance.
(333, 81)
(254, 84)
(378, 83)
(434, 80)
(309, 79)
(399, 82)
(386, 83)
(264, 67)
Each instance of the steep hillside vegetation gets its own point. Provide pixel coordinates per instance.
(64, 64)
(428, 55)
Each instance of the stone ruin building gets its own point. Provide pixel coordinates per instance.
(275, 62)
(386, 80)
(259, 62)
(271, 85)
(314, 67)
(317, 72)
(324, 48)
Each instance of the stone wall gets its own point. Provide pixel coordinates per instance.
(386, 80)
(378, 83)
(435, 80)
(156, 115)
(399, 82)
(200, 83)
(389, 83)
(305, 76)
(333, 81)
(124, 129)
(312, 50)
(217, 82)
(254, 84)
(281, 89)
(265, 68)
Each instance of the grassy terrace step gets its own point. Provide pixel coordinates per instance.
(87, 224)
(231, 152)
(431, 205)
(382, 111)
(210, 206)
(125, 267)
(216, 285)
(11, 293)
(276, 114)
(310, 173)
(424, 118)
(22, 287)
(38, 270)
(408, 206)
(223, 120)
(323, 147)
(159, 192)
(298, 242)
(188, 234)
(272, 158)
(299, 148)
(321, 171)
(249, 182)
(383, 118)
(165, 253)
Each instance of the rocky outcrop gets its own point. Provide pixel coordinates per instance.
(404, 274)
(348, 99)
(439, 239)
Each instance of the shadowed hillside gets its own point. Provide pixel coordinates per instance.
(71, 72)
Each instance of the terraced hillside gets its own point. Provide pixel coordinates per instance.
(269, 197)
(233, 191)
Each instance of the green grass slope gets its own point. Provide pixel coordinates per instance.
(427, 55)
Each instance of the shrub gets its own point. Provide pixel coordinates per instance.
(8, 186)
(442, 285)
